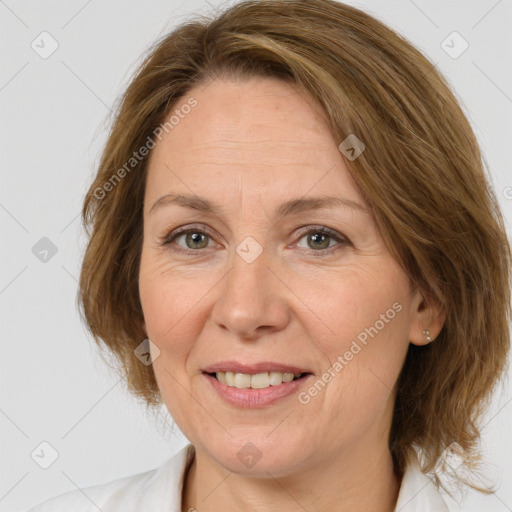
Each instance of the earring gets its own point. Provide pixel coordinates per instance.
(426, 333)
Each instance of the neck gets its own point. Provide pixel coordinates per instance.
(359, 479)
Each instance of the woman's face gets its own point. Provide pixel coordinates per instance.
(256, 283)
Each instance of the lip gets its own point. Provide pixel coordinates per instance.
(261, 367)
(255, 398)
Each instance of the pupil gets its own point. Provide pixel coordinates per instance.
(325, 237)
(195, 237)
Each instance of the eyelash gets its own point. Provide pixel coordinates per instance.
(323, 230)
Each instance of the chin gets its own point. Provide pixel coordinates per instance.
(257, 454)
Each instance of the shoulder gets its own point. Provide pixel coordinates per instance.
(155, 490)
(418, 491)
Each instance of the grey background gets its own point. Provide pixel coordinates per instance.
(55, 112)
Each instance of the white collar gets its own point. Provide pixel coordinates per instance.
(160, 490)
(418, 492)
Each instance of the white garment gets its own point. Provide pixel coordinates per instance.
(159, 490)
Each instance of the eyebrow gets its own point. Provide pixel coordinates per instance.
(288, 208)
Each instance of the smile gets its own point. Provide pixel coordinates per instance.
(255, 381)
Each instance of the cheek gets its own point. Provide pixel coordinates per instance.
(363, 337)
(171, 306)
(356, 302)
(168, 296)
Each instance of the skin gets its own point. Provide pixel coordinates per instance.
(250, 145)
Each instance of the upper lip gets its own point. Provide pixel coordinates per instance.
(261, 367)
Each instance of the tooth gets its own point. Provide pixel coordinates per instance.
(276, 378)
(242, 380)
(256, 381)
(260, 381)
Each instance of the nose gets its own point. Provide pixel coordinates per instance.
(251, 299)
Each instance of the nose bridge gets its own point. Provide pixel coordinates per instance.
(250, 264)
(250, 299)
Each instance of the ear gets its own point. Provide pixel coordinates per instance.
(426, 314)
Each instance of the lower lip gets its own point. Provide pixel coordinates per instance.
(255, 398)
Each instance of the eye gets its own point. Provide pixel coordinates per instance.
(194, 238)
(319, 238)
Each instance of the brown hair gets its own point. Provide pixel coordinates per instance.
(422, 173)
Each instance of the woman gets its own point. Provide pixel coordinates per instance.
(294, 247)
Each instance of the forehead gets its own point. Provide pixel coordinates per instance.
(261, 135)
